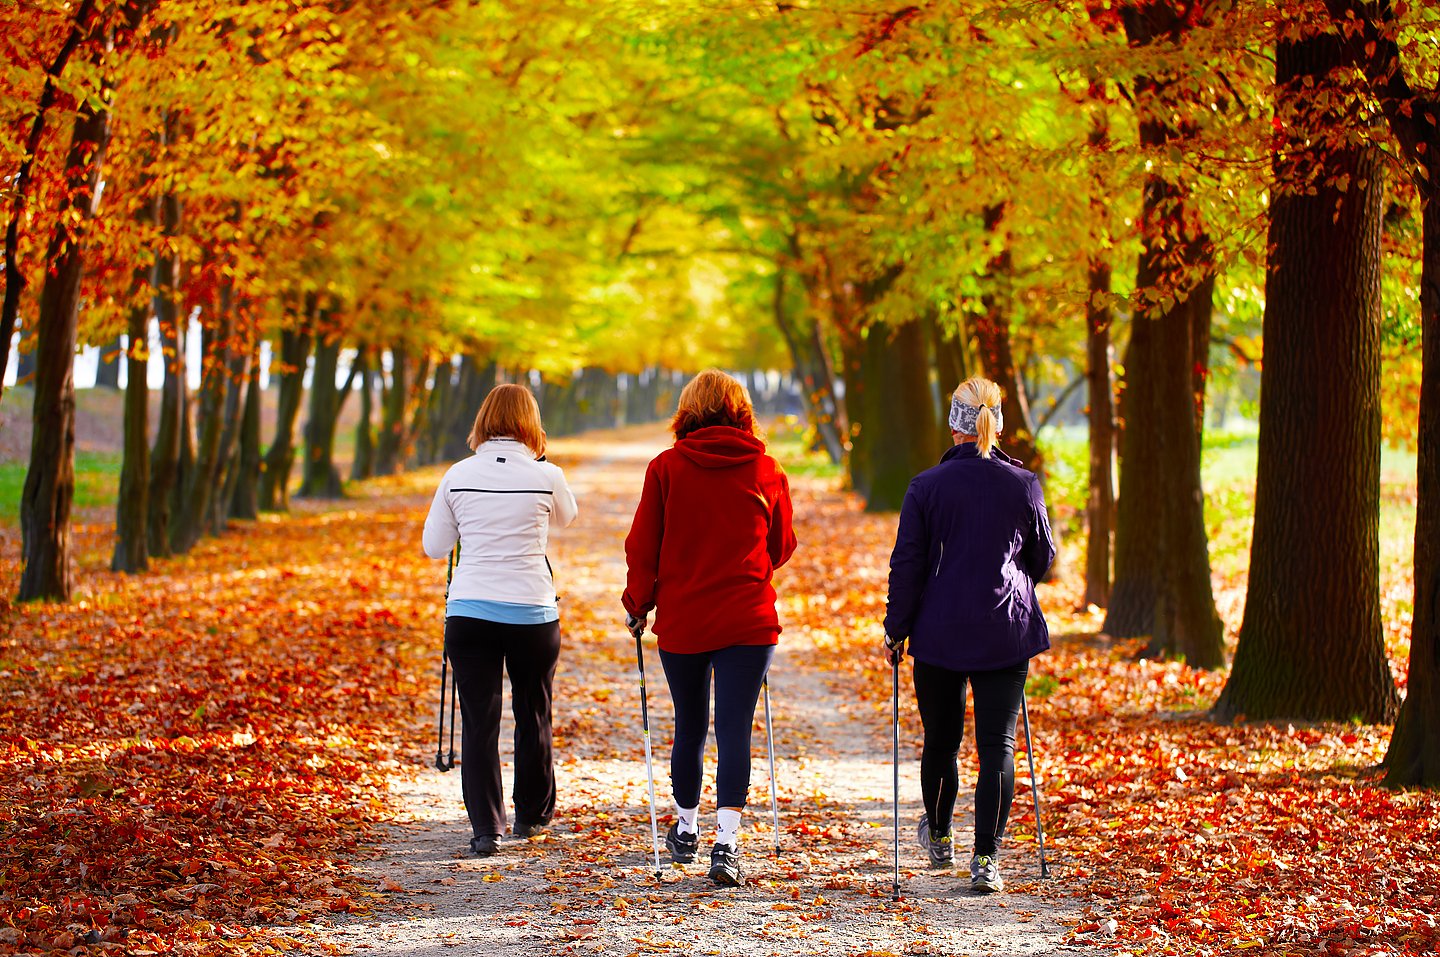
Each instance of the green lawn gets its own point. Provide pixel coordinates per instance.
(97, 482)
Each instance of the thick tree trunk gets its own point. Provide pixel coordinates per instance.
(417, 409)
(813, 369)
(477, 378)
(363, 465)
(280, 457)
(899, 411)
(1162, 563)
(992, 332)
(81, 28)
(167, 453)
(1414, 755)
(50, 481)
(1311, 643)
(132, 553)
(244, 499)
(1100, 503)
(320, 477)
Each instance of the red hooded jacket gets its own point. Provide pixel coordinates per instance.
(712, 526)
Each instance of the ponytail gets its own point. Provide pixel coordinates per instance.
(975, 410)
(985, 432)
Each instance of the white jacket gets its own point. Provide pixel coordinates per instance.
(499, 504)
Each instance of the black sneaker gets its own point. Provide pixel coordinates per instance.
(725, 866)
(522, 831)
(939, 846)
(682, 847)
(485, 845)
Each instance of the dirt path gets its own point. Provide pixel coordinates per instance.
(588, 886)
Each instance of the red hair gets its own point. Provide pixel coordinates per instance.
(713, 398)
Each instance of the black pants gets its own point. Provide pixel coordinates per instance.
(479, 651)
(940, 693)
(739, 671)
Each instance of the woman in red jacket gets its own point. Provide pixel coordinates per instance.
(712, 526)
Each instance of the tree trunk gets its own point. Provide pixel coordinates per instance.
(244, 499)
(166, 455)
(81, 29)
(389, 450)
(899, 411)
(107, 368)
(50, 481)
(992, 331)
(280, 457)
(132, 507)
(227, 470)
(417, 409)
(813, 368)
(1162, 563)
(1311, 643)
(203, 475)
(321, 479)
(1100, 504)
(364, 464)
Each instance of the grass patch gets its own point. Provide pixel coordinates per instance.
(97, 482)
(789, 441)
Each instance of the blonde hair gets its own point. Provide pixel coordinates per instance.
(509, 411)
(713, 398)
(983, 394)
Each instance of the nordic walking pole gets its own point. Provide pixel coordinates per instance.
(770, 747)
(895, 725)
(440, 763)
(1034, 786)
(649, 765)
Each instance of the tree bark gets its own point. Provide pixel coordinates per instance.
(1414, 116)
(1162, 564)
(389, 448)
(107, 368)
(280, 457)
(132, 553)
(50, 481)
(1311, 645)
(813, 368)
(244, 499)
(203, 475)
(167, 454)
(899, 411)
(363, 465)
(1100, 503)
(227, 471)
(320, 477)
(81, 28)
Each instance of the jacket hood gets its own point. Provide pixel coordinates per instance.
(720, 446)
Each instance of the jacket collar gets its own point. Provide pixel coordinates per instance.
(971, 450)
(508, 445)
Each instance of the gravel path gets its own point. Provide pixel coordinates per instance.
(588, 885)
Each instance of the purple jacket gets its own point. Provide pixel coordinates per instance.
(973, 538)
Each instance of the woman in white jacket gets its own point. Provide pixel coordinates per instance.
(501, 614)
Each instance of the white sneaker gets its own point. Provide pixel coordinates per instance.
(985, 874)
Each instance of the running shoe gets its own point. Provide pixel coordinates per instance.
(682, 847)
(985, 874)
(940, 848)
(484, 845)
(725, 866)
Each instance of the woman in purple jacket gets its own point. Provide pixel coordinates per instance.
(973, 539)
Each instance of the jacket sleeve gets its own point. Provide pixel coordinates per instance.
(907, 566)
(1039, 549)
(781, 540)
(565, 507)
(642, 546)
(441, 530)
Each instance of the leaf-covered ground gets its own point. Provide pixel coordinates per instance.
(205, 759)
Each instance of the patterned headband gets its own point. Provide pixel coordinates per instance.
(962, 417)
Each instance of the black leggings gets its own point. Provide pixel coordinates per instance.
(480, 652)
(739, 671)
(940, 693)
